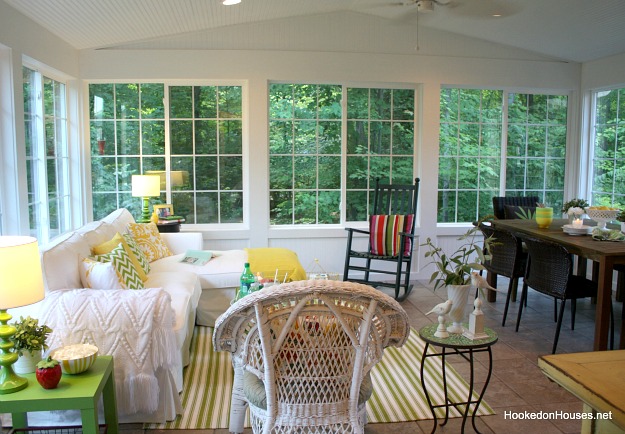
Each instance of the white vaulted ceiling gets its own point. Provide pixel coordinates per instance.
(567, 30)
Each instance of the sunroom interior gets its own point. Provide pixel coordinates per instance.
(475, 105)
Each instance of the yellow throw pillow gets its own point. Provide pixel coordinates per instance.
(108, 246)
(149, 240)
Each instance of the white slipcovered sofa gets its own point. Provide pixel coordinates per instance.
(148, 331)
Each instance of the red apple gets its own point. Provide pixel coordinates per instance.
(48, 373)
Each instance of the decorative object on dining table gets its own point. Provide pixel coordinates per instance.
(602, 215)
(577, 230)
(544, 215)
(621, 218)
(599, 234)
(574, 208)
(454, 271)
(441, 309)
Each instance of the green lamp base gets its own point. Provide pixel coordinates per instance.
(10, 382)
(145, 211)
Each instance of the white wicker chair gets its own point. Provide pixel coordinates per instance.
(303, 351)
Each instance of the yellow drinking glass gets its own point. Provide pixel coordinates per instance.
(544, 217)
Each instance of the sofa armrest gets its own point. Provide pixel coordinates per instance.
(180, 242)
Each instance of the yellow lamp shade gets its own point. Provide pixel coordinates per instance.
(146, 185)
(21, 281)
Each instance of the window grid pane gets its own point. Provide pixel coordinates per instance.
(608, 175)
(45, 114)
(469, 153)
(470, 165)
(305, 154)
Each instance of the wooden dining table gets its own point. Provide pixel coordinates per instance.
(605, 253)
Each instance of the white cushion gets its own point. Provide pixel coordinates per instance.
(184, 289)
(99, 275)
(222, 271)
(60, 261)
(119, 220)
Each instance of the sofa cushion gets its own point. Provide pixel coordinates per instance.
(126, 271)
(60, 261)
(149, 240)
(135, 254)
(99, 275)
(222, 271)
(119, 220)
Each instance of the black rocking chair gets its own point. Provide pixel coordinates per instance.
(388, 199)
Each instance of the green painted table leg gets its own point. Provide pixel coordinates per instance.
(89, 418)
(110, 406)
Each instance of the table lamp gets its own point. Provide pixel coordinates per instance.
(21, 283)
(146, 186)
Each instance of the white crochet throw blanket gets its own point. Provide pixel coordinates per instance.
(135, 327)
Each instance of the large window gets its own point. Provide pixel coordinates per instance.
(608, 175)
(475, 143)
(310, 136)
(45, 117)
(195, 146)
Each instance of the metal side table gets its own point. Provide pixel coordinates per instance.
(465, 347)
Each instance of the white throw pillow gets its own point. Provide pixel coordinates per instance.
(98, 275)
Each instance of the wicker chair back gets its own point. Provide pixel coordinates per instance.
(500, 202)
(310, 345)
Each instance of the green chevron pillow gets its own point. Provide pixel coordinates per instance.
(126, 271)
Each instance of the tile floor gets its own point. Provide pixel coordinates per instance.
(517, 384)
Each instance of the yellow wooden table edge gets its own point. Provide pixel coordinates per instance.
(570, 372)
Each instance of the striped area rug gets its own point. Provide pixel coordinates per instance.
(397, 392)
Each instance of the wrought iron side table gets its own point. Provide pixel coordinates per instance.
(466, 348)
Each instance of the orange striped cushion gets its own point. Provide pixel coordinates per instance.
(384, 230)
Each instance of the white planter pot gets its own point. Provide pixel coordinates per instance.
(459, 295)
(622, 226)
(27, 362)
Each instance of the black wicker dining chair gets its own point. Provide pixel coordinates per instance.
(391, 202)
(507, 258)
(501, 202)
(550, 272)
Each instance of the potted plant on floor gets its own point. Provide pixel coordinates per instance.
(29, 341)
(453, 270)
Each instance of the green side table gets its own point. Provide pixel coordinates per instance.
(74, 392)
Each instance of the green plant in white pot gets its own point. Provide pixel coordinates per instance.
(29, 341)
(453, 270)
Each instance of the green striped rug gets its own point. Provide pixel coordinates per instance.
(397, 397)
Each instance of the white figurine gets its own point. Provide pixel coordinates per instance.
(441, 309)
(479, 282)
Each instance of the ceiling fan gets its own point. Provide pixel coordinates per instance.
(425, 5)
(466, 8)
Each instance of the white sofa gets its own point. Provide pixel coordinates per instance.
(179, 283)
(199, 293)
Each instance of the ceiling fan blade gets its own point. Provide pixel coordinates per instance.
(483, 8)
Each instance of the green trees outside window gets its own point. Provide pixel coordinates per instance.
(608, 174)
(47, 161)
(313, 141)
(200, 164)
(476, 153)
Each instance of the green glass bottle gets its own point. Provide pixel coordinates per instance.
(247, 280)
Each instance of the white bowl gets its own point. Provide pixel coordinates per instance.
(602, 216)
(75, 358)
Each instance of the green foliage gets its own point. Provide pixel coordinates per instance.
(525, 214)
(30, 336)
(575, 203)
(455, 268)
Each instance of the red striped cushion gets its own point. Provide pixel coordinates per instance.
(384, 230)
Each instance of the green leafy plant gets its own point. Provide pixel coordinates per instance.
(30, 336)
(575, 203)
(456, 268)
(525, 214)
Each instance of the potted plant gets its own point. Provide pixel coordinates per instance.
(29, 341)
(454, 270)
(575, 208)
